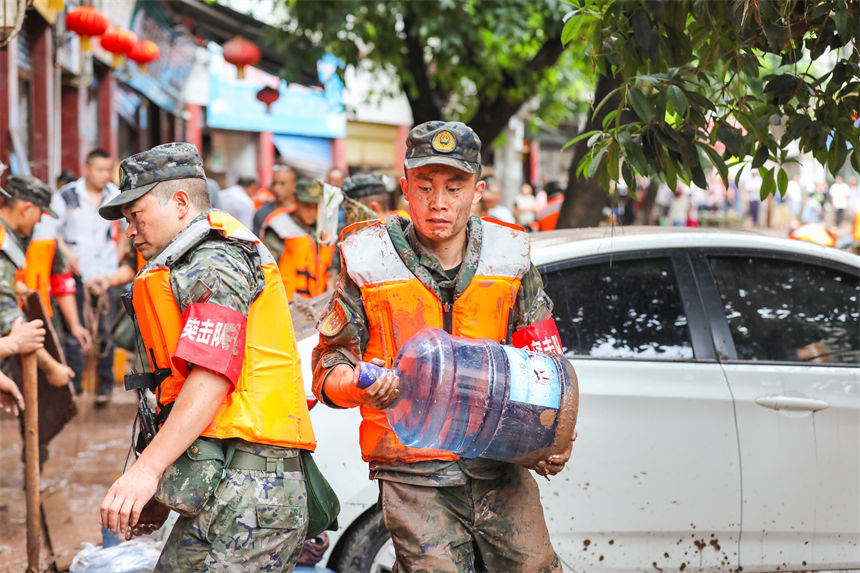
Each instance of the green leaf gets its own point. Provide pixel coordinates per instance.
(633, 151)
(629, 177)
(782, 181)
(717, 162)
(595, 162)
(580, 137)
(677, 99)
(767, 183)
(760, 156)
(640, 104)
(732, 139)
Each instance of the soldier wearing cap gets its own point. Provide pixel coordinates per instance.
(370, 190)
(444, 268)
(289, 235)
(214, 323)
(25, 201)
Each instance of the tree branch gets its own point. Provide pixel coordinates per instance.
(492, 115)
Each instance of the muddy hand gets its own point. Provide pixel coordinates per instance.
(60, 375)
(126, 498)
(27, 336)
(384, 391)
(11, 400)
(555, 463)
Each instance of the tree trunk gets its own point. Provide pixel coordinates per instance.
(584, 199)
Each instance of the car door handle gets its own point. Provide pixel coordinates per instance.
(791, 403)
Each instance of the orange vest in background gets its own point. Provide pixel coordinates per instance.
(398, 305)
(547, 218)
(304, 264)
(36, 273)
(267, 405)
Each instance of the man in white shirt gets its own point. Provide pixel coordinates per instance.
(492, 201)
(840, 192)
(238, 199)
(91, 242)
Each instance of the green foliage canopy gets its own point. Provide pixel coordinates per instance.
(712, 84)
(467, 60)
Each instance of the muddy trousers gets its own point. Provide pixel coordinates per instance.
(437, 529)
(255, 521)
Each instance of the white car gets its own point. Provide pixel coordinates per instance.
(719, 377)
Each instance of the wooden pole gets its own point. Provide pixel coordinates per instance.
(31, 459)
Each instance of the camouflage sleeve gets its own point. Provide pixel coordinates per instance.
(221, 273)
(533, 304)
(9, 309)
(343, 330)
(274, 243)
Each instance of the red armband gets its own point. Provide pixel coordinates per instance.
(213, 337)
(63, 284)
(539, 337)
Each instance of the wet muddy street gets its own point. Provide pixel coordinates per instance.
(84, 460)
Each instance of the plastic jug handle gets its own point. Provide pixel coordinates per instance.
(368, 373)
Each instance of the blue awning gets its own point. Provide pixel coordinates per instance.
(309, 154)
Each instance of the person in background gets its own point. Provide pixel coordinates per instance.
(238, 199)
(547, 218)
(492, 198)
(26, 200)
(283, 190)
(370, 190)
(840, 198)
(92, 253)
(335, 177)
(525, 206)
(304, 262)
(65, 177)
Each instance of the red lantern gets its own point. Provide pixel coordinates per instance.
(268, 96)
(86, 22)
(240, 52)
(118, 42)
(142, 53)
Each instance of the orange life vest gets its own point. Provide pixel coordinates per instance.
(36, 273)
(304, 264)
(398, 305)
(267, 405)
(547, 219)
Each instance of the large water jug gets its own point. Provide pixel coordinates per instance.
(478, 398)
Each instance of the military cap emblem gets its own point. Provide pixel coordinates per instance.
(444, 142)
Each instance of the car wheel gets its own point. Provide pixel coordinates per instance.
(365, 548)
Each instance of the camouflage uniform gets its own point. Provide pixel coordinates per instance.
(9, 309)
(256, 520)
(12, 256)
(494, 506)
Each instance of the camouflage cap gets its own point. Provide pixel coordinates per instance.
(364, 185)
(443, 142)
(309, 191)
(143, 171)
(29, 188)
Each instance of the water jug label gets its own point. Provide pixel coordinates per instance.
(534, 378)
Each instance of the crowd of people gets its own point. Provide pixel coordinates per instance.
(740, 205)
(211, 275)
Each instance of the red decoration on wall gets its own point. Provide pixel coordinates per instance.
(143, 52)
(240, 52)
(118, 42)
(268, 96)
(86, 22)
